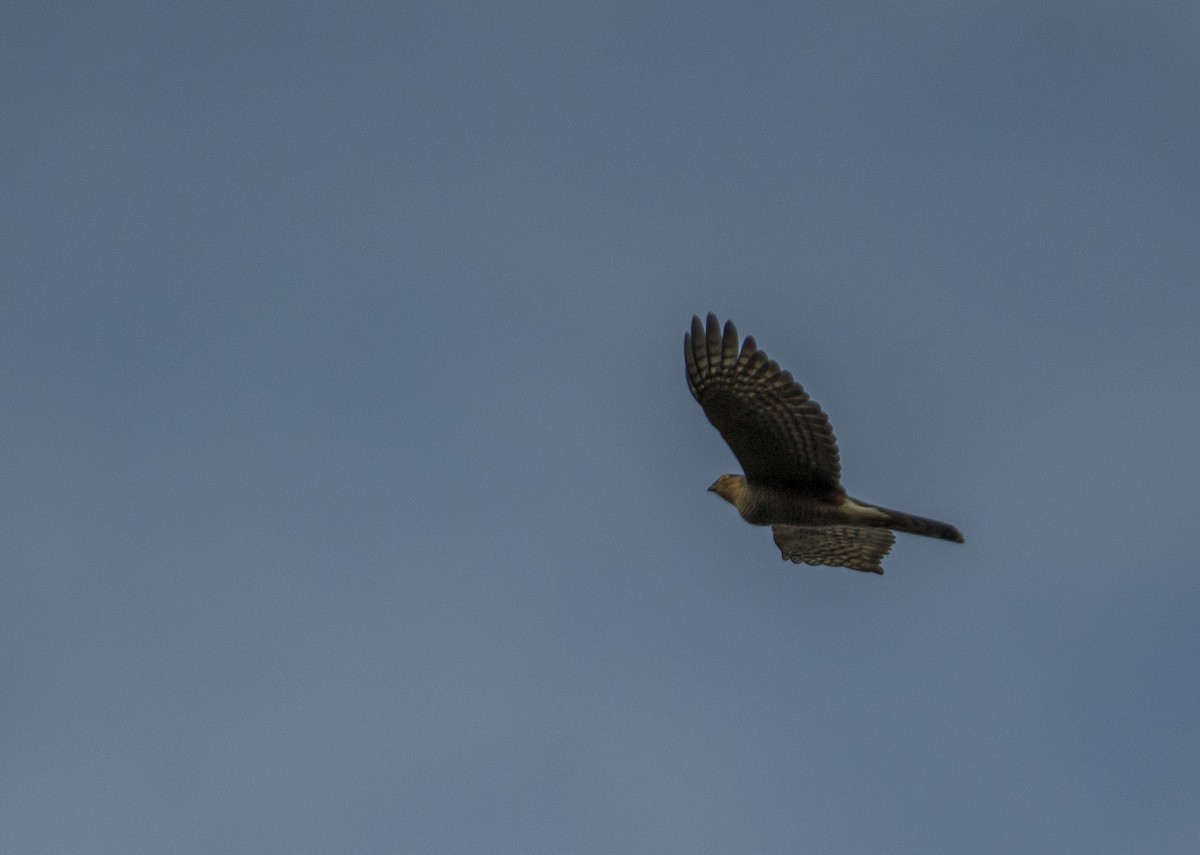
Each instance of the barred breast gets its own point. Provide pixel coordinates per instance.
(761, 505)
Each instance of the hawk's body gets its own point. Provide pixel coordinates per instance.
(786, 447)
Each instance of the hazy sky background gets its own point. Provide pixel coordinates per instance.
(353, 499)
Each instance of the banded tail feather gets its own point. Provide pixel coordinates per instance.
(900, 521)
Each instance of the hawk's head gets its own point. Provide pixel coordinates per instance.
(729, 487)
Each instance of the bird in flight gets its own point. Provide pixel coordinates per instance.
(783, 440)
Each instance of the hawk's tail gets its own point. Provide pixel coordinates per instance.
(900, 521)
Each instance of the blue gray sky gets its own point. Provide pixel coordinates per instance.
(353, 499)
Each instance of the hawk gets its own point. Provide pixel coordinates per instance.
(783, 440)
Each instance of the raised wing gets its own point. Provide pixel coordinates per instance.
(850, 546)
(779, 435)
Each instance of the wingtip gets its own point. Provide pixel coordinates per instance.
(712, 326)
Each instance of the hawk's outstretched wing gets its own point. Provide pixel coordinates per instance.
(779, 435)
(834, 545)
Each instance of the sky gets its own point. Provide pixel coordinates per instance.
(353, 499)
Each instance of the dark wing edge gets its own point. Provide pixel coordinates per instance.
(779, 435)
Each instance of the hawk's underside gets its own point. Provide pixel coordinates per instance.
(783, 440)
